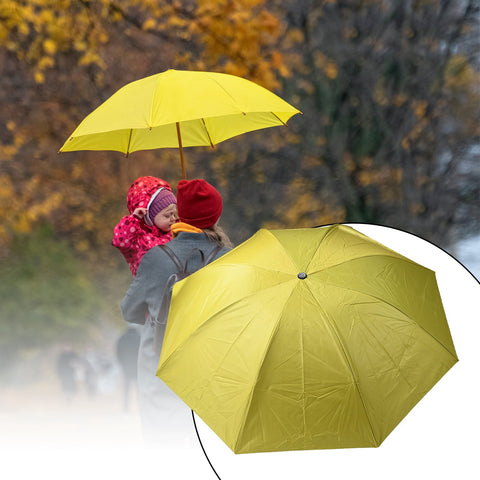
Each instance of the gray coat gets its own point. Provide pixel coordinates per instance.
(159, 407)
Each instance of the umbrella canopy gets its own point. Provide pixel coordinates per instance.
(179, 109)
(306, 339)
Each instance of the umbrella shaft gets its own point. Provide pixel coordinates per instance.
(181, 150)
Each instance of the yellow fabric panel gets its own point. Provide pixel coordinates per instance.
(209, 107)
(228, 349)
(333, 358)
(305, 396)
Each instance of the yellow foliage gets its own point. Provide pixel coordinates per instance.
(80, 45)
(45, 62)
(348, 162)
(49, 46)
(241, 31)
(39, 77)
(419, 108)
(320, 59)
(331, 70)
(460, 72)
(385, 177)
(232, 33)
(8, 151)
(416, 208)
(349, 33)
(379, 94)
(81, 245)
(149, 24)
(306, 207)
(405, 143)
(90, 58)
(399, 99)
(294, 36)
(21, 224)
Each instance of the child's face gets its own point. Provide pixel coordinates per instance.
(166, 218)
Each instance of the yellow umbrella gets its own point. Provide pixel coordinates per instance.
(306, 339)
(179, 109)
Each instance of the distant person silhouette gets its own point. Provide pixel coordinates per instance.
(66, 366)
(127, 355)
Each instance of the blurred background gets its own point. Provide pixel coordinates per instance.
(390, 135)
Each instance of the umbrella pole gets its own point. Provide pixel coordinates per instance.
(181, 150)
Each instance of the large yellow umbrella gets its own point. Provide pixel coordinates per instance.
(179, 109)
(306, 339)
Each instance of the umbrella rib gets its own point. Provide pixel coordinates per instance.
(208, 134)
(129, 140)
(279, 119)
(403, 313)
(304, 416)
(384, 254)
(349, 364)
(213, 317)
(262, 362)
(226, 92)
(329, 232)
(392, 360)
(336, 227)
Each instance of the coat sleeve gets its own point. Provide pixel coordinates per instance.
(126, 234)
(144, 296)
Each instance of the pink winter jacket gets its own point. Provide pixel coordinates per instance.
(131, 235)
(133, 238)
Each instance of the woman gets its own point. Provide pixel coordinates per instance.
(199, 208)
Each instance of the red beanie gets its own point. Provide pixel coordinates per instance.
(198, 203)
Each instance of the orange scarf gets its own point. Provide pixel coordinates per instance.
(183, 227)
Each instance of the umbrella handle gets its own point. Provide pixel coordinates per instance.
(181, 150)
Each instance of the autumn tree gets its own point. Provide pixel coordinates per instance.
(60, 59)
(63, 58)
(389, 91)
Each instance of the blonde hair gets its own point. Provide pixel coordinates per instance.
(216, 234)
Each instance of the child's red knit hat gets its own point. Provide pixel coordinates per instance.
(198, 203)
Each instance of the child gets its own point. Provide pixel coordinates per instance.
(153, 210)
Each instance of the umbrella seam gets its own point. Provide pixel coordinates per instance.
(370, 256)
(349, 364)
(279, 119)
(222, 310)
(303, 386)
(252, 392)
(329, 232)
(172, 354)
(166, 361)
(207, 132)
(403, 313)
(129, 140)
(227, 93)
(396, 364)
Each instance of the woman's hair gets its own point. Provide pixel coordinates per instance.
(216, 234)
